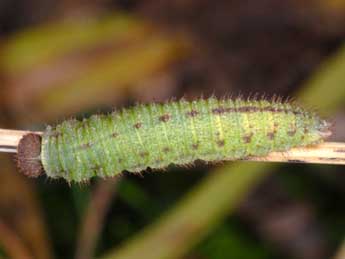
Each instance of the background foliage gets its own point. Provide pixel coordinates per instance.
(72, 58)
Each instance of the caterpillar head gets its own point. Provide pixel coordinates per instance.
(29, 155)
(317, 130)
(324, 128)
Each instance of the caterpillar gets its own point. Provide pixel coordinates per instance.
(177, 132)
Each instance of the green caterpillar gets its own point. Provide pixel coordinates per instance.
(178, 132)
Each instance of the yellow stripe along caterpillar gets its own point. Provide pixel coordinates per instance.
(177, 132)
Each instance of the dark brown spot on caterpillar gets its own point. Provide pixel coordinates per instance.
(195, 146)
(96, 168)
(192, 113)
(271, 135)
(278, 110)
(114, 135)
(221, 143)
(292, 132)
(143, 154)
(166, 149)
(219, 110)
(164, 118)
(28, 157)
(85, 145)
(271, 109)
(247, 138)
(248, 109)
(138, 125)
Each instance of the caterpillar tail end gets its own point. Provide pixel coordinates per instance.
(324, 129)
(29, 155)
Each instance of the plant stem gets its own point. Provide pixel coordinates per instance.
(325, 153)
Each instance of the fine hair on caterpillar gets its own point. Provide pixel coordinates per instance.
(179, 132)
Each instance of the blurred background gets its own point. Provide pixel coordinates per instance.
(71, 58)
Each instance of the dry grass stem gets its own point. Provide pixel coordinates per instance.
(325, 153)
